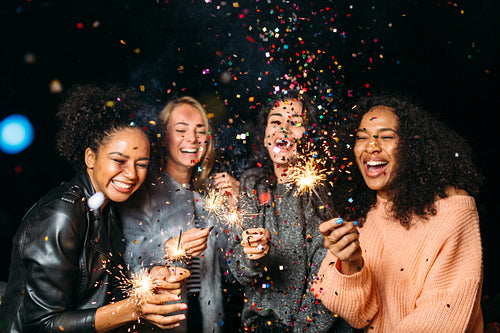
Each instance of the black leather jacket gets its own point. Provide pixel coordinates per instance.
(65, 261)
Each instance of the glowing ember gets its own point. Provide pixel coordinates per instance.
(306, 175)
(214, 203)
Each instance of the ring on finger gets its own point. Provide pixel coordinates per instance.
(333, 241)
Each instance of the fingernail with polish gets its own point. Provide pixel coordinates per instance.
(355, 223)
(340, 220)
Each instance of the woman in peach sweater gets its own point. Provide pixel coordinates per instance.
(413, 263)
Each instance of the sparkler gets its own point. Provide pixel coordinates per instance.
(306, 175)
(214, 203)
(177, 252)
(139, 286)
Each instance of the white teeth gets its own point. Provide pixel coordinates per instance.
(121, 184)
(190, 151)
(375, 163)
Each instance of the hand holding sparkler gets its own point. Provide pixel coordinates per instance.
(255, 242)
(191, 243)
(151, 296)
(169, 279)
(342, 240)
(228, 187)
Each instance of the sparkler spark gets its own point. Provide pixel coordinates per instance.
(234, 217)
(306, 175)
(176, 252)
(139, 286)
(214, 203)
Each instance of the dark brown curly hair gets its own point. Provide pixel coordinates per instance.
(430, 159)
(89, 114)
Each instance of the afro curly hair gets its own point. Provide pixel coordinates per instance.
(430, 159)
(90, 113)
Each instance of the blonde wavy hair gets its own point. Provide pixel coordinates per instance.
(199, 180)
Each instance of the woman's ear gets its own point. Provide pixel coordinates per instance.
(90, 158)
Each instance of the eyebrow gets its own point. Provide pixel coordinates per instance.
(186, 124)
(384, 129)
(126, 156)
(279, 114)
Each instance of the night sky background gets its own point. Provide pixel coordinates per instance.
(230, 55)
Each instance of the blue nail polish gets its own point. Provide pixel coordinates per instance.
(340, 220)
(355, 223)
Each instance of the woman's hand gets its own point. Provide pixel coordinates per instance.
(228, 186)
(342, 240)
(155, 306)
(193, 241)
(169, 279)
(255, 242)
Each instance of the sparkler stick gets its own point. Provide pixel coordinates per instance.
(179, 241)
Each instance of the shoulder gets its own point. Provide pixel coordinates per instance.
(251, 177)
(452, 191)
(59, 213)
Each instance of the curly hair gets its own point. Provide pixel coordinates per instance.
(198, 180)
(90, 114)
(430, 158)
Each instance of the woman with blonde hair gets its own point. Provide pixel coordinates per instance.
(170, 213)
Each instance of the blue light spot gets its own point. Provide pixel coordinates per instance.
(16, 133)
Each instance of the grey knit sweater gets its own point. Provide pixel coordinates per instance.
(277, 286)
(157, 213)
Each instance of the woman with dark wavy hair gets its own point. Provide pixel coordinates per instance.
(413, 263)
(67, 258)
(280, 247)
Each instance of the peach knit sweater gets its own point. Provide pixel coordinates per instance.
(423, 279)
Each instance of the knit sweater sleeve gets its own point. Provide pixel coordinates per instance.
(243, 269)
(353, 297)
(450, 299)
(449, 289)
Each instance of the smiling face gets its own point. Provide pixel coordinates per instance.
(119, 166)
(284, 127)
(186, 141)
(375, 148)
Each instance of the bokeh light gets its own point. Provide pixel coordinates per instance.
(16, 134)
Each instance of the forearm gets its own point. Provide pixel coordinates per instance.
(115, 315)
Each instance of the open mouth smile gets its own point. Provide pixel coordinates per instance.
(121, 186)
(375, 167)
(189, 150)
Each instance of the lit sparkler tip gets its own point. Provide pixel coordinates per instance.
(214, 203)
(306, 175)
(139, 286)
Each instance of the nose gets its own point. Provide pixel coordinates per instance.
(373, 144)
(130, 171)
(190, 136)
(288, 126)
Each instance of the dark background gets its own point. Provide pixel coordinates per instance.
(227, 55)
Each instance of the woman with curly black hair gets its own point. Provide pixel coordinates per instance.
(414, 261)
(280, 247)
(67, 254)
